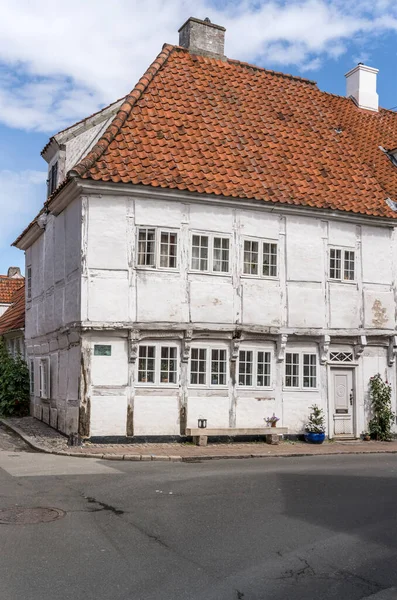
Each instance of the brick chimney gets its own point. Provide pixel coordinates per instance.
(203, 37)
(361, 86)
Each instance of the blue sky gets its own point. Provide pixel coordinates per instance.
(57, 67)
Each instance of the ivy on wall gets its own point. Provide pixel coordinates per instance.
(14, 384)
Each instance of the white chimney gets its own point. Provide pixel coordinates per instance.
(361, 86)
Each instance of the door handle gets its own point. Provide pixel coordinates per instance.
(351, 398)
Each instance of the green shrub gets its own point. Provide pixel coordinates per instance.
(383, 416)
(14, 384)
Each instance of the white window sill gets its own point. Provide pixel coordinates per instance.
(261, 277)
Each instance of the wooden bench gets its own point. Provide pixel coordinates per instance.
(200, 436)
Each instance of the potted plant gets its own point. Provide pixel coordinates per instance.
(272, 421)
(315, 427)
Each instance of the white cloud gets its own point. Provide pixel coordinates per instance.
(21, 197)
(57, 66)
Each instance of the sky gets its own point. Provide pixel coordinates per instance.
(59, 65)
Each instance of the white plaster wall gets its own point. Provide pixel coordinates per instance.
(107, 230)
(156, 415)
(153, 286)
(296, 408)
(109, 370)
(108, 296)
(108, 415)
(77, 147)
(213, 408)
(304, 249)
(3, 308)
(306, 305)
(345, 306)
(262, 302)
(377, 251)
(252, 411)
(211, 300)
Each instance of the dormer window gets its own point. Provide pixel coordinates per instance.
(52, 180)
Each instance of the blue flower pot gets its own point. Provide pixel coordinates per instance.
(314, 438)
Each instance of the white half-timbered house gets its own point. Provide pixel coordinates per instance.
(219, 245)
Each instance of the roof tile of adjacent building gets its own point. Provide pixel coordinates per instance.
(8, 287)
(14, 316)
(224, 127)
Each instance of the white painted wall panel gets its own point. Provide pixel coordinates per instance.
(59, 248)
(262, 303)
(344, 306)
(204, 217)
(161, 297)
(296, 408)
(376, 248)
(108, 298)
(211, 300)
(156, 415)
(156, 212)
(305, 252)
(108, 415)
(251, 412)
(342, 234)
(306, 305)
(258, 224)
(107, 233)
(379, 307)
(73, 237)
(109, 370)
(215, 409)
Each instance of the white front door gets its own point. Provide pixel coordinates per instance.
(343, 397)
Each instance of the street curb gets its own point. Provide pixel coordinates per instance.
(175, 458)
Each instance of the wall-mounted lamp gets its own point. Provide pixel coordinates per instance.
(202, 423)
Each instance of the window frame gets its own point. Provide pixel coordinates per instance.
(28, 283)
(260, 242)
(301, 365)
(157, 364)
(44, 390)
(32, 388)
(208, 366)
(52, 181)
(210, 259)
(256, 349)
(157, 248)
(343, 250)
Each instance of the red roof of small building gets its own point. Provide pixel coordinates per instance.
(224, 127)
(14, 316)
(8, 287)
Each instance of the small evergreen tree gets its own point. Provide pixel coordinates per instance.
(14, 384)
(383, 416)
(316, 422)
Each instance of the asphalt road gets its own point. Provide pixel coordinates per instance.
(301, 528)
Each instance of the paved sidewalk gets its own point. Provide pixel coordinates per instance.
(43, 438)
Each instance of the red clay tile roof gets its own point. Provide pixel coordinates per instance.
(8, 287)
(14, 316)
(228, 128)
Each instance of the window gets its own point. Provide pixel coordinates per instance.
(218, 367)
(260, 258)
(251, 257)
(210, 253)
(31, 376)
(52, 180)
(254, 368)
(29, 283)
(341, 264)
(44, 378)
(221, 255)
(168, 364)
(291, 370)
(146, 364)
(102, 350)
(157, 364)
(269, 260)
(146, 247)
(168, 246)
(341, 356)
(198, 366)
(300, 370)
(157, 249)
(309, 371)
(208, 366)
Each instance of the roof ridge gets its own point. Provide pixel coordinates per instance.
(123, 113)
(271, 71)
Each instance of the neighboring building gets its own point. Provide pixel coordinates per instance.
(219, 245)
(12, 323)
(9, 284)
